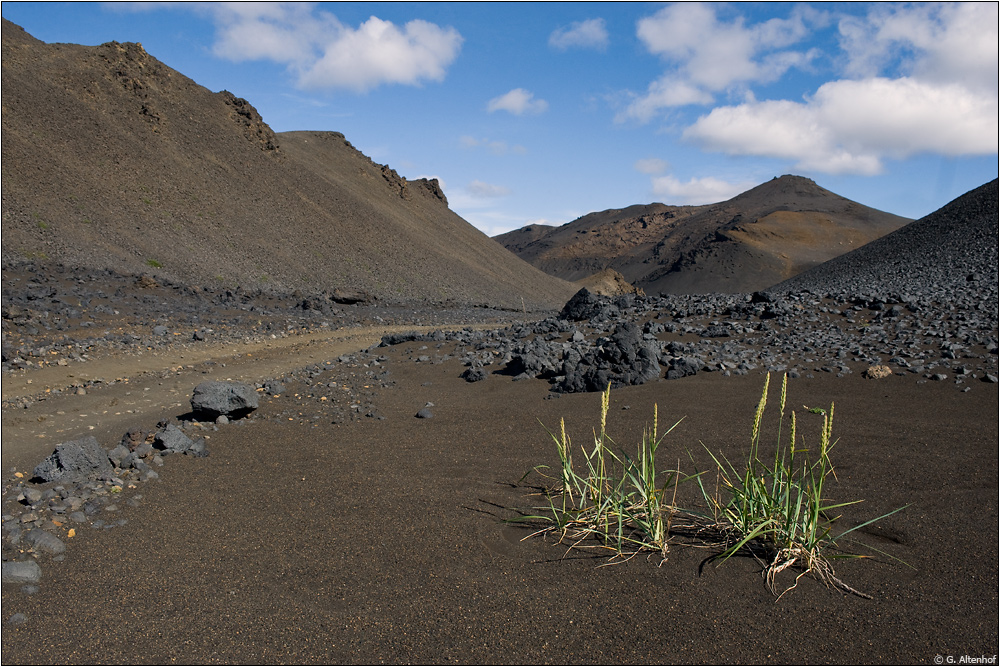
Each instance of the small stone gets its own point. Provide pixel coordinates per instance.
(173, 440)
(16, 619)
(32, 496)
(118, 454)
(44, 542)
(474, 374)
(21, 572)
(876, 372)
(424, 413)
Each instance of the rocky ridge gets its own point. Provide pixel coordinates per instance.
(767, 234)
(114, 161)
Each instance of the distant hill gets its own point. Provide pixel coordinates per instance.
(952, 252)
(767, 234)
(111, 159)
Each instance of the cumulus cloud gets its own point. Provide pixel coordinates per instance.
(589, 34)
(325, 53)
(492, 145)
(379, 52)
(696, 191)
(668, 91)
(284, 33)
(852, 126)
(651, 165)
(923, 80)
(706, 55)
(938, 42)
(518, 102)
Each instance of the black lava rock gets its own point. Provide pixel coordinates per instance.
(233, 399)
(77, 459)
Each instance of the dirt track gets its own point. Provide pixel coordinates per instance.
(144, 388)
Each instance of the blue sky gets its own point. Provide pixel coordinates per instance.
(542, 112)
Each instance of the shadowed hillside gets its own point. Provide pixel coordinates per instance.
(113, 160)
(953, 251)
(765, 235)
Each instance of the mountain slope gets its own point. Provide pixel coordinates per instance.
(952, 251)
(769, 233)
(113, 160)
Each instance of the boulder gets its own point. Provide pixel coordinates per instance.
(75, 460)
(585, 305)
(233, 399)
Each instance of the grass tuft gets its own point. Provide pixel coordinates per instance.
(619, 502)
(778, 511)
(773, 508)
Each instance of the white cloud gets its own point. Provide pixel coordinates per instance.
(852, 126)
(924, 80)
(589, 34)
(379, 52)
(665, 92)
(325, 53)
(944, 43)
(518, 102)
(696, 191)
(706, 55)
(285, 33)
(481, 190)
(492, 145)
(651, 165)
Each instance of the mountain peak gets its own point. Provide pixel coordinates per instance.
(762, 236)
(113, 160)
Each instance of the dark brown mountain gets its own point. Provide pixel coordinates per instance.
(950, 256)
(113, 160)
(763, 236)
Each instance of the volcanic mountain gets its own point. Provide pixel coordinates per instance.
(951, 254)
(113, 160)
(767, 234)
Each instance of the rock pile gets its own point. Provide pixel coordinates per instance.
(82, 484)
(636, 339)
